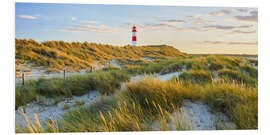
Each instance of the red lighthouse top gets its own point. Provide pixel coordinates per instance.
(134, 29)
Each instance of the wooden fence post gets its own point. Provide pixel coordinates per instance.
(64, 73)
(22, 78)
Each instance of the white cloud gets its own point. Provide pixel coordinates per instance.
(28, 17)
(203, 21)
(227, 27)
(230, 43)
(242, 32)
(89, 28)
(221, 12)
(195, 16)
(73, 18)
(173, 24)
(253, 17)
(88, 21)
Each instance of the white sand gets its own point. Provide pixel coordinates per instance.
(196, 116)
(55, 112)
(215, 73)
(148, 59)
(164, 77)
(201, 117)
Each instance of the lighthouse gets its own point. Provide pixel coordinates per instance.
(134, 38)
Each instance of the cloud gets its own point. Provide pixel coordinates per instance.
(194, 29)
(242, 9)
(203, 21)
(230, 43)
(73, 18)
(83, 21)
(88, 21)
(242, 32)
(89, 28)
(173, 24)
(221, 12)
(252, 17)
(194, 16)
(174, 21)
(29, 17)
(226, 27)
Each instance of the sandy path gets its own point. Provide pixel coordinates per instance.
(54, 112)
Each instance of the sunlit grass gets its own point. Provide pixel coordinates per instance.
(239, 102)
(106, 82)
(151, 104)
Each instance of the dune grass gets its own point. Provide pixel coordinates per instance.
(135, 109)
(151, 67)
(240, 103)
(148, 104)
(211, 62)
(251, 71)
(196, 76)
(56, 55)
(106, 82)
(234, 75)
(253, 61)
(143, 103)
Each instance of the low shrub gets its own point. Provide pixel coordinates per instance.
(197, 76)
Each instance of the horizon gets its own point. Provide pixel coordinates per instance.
(193, 30)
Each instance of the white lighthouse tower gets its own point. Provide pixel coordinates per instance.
(134, 38)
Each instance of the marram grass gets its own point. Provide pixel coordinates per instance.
(143, 103)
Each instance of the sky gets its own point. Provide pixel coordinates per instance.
(197, 30)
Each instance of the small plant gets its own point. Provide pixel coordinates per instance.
(66, 107)
(79, 103)
(32, 126)
(57, 99)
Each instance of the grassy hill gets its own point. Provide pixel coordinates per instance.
(55, 55)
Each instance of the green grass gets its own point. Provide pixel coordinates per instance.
(211, 62)
(106, 82)
(234, 75)
(253, 61)
(252, 72)
(196, 76)
(238, 102)
(151, 67)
